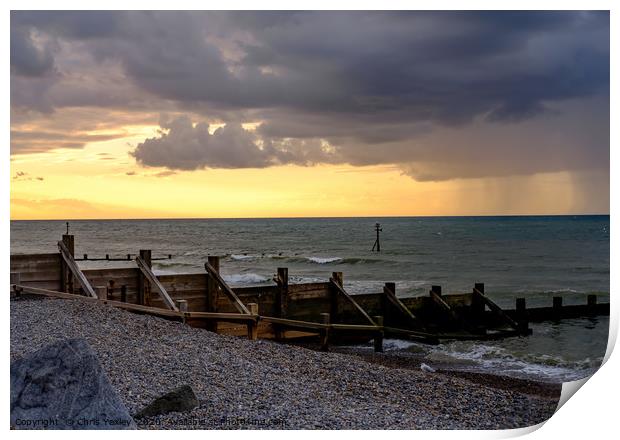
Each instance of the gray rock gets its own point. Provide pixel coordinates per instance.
(63, 386)
(179, 400)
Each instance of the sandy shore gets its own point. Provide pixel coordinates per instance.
(260, 384)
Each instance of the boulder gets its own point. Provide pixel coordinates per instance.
(179, 400)
(63, 386)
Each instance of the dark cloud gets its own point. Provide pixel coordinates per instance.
(185, 146)
(418, 89)
(25, 141)
(27, 58)
(446, 66)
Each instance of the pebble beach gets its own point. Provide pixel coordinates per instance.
(244, 384)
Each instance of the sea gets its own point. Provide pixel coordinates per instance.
(535, 257)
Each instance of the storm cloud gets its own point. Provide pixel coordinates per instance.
(432, 92)
(185, 146)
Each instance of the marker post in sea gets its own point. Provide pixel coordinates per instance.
(377, 243)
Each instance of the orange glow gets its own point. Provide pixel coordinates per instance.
(102, 180)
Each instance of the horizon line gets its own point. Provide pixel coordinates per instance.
(316, 217)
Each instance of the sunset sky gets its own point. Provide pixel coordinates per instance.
(264, 114)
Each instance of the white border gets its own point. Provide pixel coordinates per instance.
(589, 413)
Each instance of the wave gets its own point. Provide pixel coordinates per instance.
(499, 360)
(243, 257)
(334, 260)
(246, 278)
(323, 260)
(478, 357)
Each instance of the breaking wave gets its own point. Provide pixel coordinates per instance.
(246, 278)
(323, 260)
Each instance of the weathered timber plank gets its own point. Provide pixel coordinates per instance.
(309, 294)
(391, 296)
(51, 293)
(294, 323)
(348, 297)
(226, 289)
(255, 290)
(355, 327)
(444, 306)
(44, 275)
(49, 285)
(132, 307)
(75, 270)
(297, 288)
(148, 274)
(496, 309)
(222, 316)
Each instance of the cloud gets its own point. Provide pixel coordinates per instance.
(28, 58)
(185, 146)
(167, 173)
(25, 141)
(433, 92)
(439, 66)
(23, 176)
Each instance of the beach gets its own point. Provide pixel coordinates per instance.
(262, 384)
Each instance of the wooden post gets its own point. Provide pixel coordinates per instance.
(333, 297)
(592, 304)
(66, 278)
(253, 325)
(102, 292)
(325, 332)
(123, 293)
(281, 300)
(111, 287)
(436, 289)
(557, 307)
(385, 302)
(477, 305)
(85, 256)
(212, 287)
(521, 315)
(520, 307)
(182, 305)
(144, 287)
(128, 256)
(378, 342)
(15, 278)
(282, 295)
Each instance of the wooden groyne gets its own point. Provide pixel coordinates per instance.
(323, 311)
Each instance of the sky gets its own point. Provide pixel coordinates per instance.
(291, 114)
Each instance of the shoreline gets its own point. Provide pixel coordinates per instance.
(261, 382)
(411, 362)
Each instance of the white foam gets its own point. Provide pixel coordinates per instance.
(245, 278)
(500, 361)
(397, 344)
(324, 260)
(243, 257)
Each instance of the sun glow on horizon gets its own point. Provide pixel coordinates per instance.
(102, 181)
